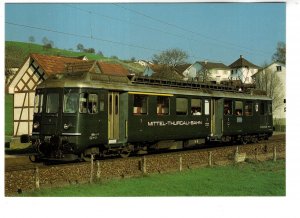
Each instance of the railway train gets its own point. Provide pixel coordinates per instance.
(77, 115)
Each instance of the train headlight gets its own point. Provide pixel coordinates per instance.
(36, 125)
(67, 126)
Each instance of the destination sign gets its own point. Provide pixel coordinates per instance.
(174, 123)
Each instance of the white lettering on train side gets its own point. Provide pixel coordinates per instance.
(174, 123)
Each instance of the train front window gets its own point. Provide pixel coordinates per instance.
(70, 103)
(38, 103)
(52, 103)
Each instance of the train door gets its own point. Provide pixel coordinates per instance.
(113, 117)
(51, 118)
(217, 117)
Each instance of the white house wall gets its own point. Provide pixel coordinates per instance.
(23, 87)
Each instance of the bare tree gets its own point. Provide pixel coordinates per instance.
(270, 82)
(204, 74)
(280, 53)
(171, 57)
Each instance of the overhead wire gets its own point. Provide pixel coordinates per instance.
(189, 31)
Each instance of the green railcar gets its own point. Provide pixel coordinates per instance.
(77, 115)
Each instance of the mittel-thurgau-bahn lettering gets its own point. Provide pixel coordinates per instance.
(174, 123)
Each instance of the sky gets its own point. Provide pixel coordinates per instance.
(217, 32)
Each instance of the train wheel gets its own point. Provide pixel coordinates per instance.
(126, 151)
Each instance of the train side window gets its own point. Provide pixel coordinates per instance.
(38, 103)
(196, 106)
(181, 106)
(140, 104)
(227, 107)
(93, 103)
(206, 107)
(83, 103)
(249, 108)
(238, 108)
(162, 107)
(52, 103)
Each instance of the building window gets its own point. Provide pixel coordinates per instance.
(162, 107)
(238, 108)
(227, 107)
(140, 104)
(181, 106)
(278, 68)
(196, 106)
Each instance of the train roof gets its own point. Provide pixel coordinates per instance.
(148, 85)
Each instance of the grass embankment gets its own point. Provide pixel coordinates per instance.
(245, 179)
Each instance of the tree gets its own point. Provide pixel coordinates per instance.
(280, 53)
(269, 82)
(47, 44)
(31, 39)
(171, 57)
(80, 47)
(204, 73)
(89, 50)
(100, 53)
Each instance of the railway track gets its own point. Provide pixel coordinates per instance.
(21, 175)
(22, 162)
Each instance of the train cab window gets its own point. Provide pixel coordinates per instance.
(206, 107)
(38, 103)
(238, 108)
(248, 108)
(83, 102)
(52, 103)
(227, 107)
(70, 103)
(162, 107)
(93, 103)
(181, 106)
(196, 106)
(140, 104)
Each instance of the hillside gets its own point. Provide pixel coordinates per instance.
(16, 53)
